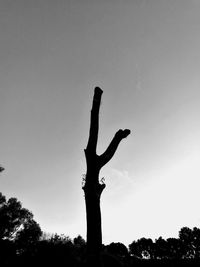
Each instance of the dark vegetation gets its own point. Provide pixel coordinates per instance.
(22, 243)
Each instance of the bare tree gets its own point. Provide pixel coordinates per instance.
(92, 187)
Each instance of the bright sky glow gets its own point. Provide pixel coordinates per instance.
(145, 56)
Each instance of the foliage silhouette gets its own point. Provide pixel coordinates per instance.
(19, 232)
(22, 244)
(161, 248)
(16, 222)
(142, 248)
(187, 247)
(1, 169)
(190, 239)
(118, 249)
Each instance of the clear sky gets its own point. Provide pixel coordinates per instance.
(145, 55)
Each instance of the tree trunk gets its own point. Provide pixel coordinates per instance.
(92, 187)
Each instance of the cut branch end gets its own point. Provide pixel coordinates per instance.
(123, 133)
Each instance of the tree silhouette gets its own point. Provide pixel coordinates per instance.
(142, 248)
(118, 249)
(92, 187)
(17, 222)
(185, 235)
(174, 248)
(161, 248)
(1, 169)
(55, 250)
(196, 242)
(29, 234)
(19, 232)
(190, 240)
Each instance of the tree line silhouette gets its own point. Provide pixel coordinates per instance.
(23, 243)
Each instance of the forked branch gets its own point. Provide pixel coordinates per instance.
(90, 150)
(110, 151)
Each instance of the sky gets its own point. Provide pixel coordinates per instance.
(145, 56)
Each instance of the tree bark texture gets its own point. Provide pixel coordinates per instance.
(92, 187)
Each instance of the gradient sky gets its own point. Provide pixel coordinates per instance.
(145, 55)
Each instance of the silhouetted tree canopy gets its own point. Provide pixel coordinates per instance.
(22, 244)
(16, 222)
(1, 169)
(190, 239)
(187, 246)
(160, 248)
(142, 248)
(174, 248)
(79, 241)
(118, 249)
